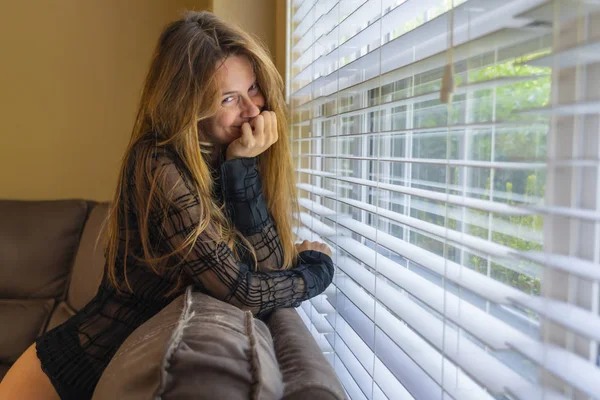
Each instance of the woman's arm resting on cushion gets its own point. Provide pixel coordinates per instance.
(213, 267)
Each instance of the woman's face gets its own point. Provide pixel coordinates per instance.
(241, 101)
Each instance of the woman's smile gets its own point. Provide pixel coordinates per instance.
(242, 100)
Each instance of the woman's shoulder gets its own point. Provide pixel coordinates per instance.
(147, 163)
(147, 145)
(162, 164)
(147, 151)
(163, 156)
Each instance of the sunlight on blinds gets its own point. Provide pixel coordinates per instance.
(466, 235)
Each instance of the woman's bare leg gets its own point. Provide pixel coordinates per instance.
(25, 380)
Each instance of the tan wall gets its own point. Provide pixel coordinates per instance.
(280, 36)
(71, 72)
(70, 76)
(263, 18)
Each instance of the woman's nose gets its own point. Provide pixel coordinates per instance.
(251, 108)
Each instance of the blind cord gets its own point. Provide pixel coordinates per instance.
(447, 89)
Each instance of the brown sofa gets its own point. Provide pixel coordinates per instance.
(50, 268)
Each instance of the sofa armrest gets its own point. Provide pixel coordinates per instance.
(306, 373)
(197, 347)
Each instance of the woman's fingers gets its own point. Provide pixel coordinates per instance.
(317, 246)
(259, 130)
(323, 248)
(247, 138)
(274, 133)
(257, 136)
(268, 134)
(303, 246)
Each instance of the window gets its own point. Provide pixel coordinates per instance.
(466, 234)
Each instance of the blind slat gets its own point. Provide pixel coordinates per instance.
(460, 311)
(465, 277)
(360, 375)
(319, 321)
(389, 384)
(319, 227)
(303, 10)
(416, 365)
(363, 352)
(478, 204)
(315, 189)
(315, 207)
(410, 65)
(568, 9)
(304, 233)
(474, 219)
(329, 9)
(394, 243)
(582, 54)
(305, 24)
(435, 95)
(565, 314)
(457, 382)
(436, 186)
(530, 392)
(459, 238)
(381, 374)
(321, 304)
(590, 107)
(482, 366)
(322, 342)
(401, 14)
(424, 358)
(576, 213)
(573, 265)
(430, 161)
(323, 41)
(429, 38)
(347, 380)
(568, 366)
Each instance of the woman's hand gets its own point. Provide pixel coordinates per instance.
(317, 246)
(253, 143)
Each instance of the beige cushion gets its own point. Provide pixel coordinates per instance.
(38, 240)
(195, 348)
(21, 321)
(89, 262)
(306, 372)
(62, 313)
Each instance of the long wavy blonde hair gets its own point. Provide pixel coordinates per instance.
(180, 93)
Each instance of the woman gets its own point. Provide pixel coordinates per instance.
(190, 207)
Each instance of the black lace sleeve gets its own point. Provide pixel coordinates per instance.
(213, 266)
(241, 188)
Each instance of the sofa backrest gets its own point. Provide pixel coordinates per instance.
(48, 267)
(38, 242)
(87, 267)
(89, 262)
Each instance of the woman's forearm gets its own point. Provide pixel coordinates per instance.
(246, 206)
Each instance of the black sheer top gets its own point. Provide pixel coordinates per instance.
(75, 354)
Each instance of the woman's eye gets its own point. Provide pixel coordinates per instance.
(228, 100)
(253, 88)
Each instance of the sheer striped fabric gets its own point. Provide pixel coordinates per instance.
(448, 152)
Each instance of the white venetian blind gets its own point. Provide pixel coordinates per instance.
(466, 233)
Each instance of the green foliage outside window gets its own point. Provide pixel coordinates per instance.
(520, 143)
